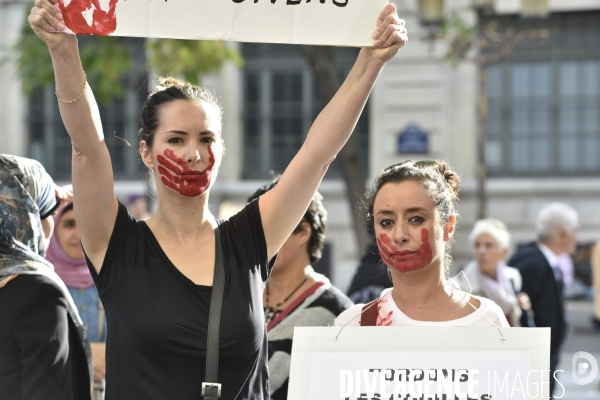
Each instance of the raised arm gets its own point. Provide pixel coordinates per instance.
(94, 199)
(282, 207)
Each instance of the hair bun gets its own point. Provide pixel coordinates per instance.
(166, 82)
(451, 178)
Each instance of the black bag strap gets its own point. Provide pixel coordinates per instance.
(211, 390)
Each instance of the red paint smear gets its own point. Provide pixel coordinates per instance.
(103, 23)
(188, 185)
(420, 259)
(383, 319)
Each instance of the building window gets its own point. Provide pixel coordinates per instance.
(50, 144)
(281, 101)
(544, 101)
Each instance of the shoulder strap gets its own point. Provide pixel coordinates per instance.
(211, 390)
(369, 314)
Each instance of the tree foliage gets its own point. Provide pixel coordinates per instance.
(189, 59)
(106, 59)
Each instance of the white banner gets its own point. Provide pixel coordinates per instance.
(318, 22)
(429, 363)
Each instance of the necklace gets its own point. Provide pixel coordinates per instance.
(272, 312)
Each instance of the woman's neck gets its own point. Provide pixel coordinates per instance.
(181, 216)
(428, 296)
(419, 289)
(282, 284)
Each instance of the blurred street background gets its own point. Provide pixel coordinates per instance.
(582, 337)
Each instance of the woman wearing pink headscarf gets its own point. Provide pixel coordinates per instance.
(66, 254)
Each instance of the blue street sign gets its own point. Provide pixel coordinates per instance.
(413, 140)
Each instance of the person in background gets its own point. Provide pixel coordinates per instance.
(296, 295)
(488, 276)
(370, 279)
(138, 206)
(66, 254)
(44, 352)
(412, 216)
(556, 226)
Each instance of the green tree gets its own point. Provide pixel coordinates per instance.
(106, 59)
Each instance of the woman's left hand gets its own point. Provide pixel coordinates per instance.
(390, 35)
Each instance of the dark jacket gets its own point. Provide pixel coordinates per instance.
(545, 292)
(41, 355)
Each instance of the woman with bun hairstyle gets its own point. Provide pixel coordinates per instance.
(412, 216)
(155, 277)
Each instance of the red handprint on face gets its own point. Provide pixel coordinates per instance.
(405, 261)
(176, 174)
(102, 23)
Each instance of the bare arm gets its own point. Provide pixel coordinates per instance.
(94, 199)
(282, 207)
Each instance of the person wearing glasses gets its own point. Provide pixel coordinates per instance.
(412, 216)
(155, 277)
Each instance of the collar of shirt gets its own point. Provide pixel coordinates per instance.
(549, 254)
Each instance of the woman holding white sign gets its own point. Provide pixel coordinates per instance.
(412, 215)
(156, 277)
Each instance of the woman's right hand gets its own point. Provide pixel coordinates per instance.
(45, 20)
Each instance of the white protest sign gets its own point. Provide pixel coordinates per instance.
(430, 363)
(318, 22)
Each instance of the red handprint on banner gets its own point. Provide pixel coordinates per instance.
(176, 174)
(101, 22)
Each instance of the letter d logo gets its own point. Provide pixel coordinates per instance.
(580, 367)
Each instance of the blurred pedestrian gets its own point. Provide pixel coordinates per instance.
(296, 295)
(157, 278)
(488, 276)
(412, 215)
(370, 279)
(138, 206)
(556, 227)
(66, 254)
(44, 352)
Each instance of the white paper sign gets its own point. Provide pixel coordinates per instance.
(429, 363)
(318, 22)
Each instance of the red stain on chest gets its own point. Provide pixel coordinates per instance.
(103, 22)
(401, 260)
(177, 175)
(383, 318)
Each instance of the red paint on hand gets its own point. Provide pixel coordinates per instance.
(103, 23)
(177, 175)
(404, 261)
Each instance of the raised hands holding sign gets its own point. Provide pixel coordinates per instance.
(155, 277)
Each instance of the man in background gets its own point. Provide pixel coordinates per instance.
(556, 227)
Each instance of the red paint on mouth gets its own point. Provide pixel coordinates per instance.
(177, 174)
(103, 23)
(405, 260)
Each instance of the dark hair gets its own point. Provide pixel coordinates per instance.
(441, 182)
(171, 89)
(69, 207)
(315, 215)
